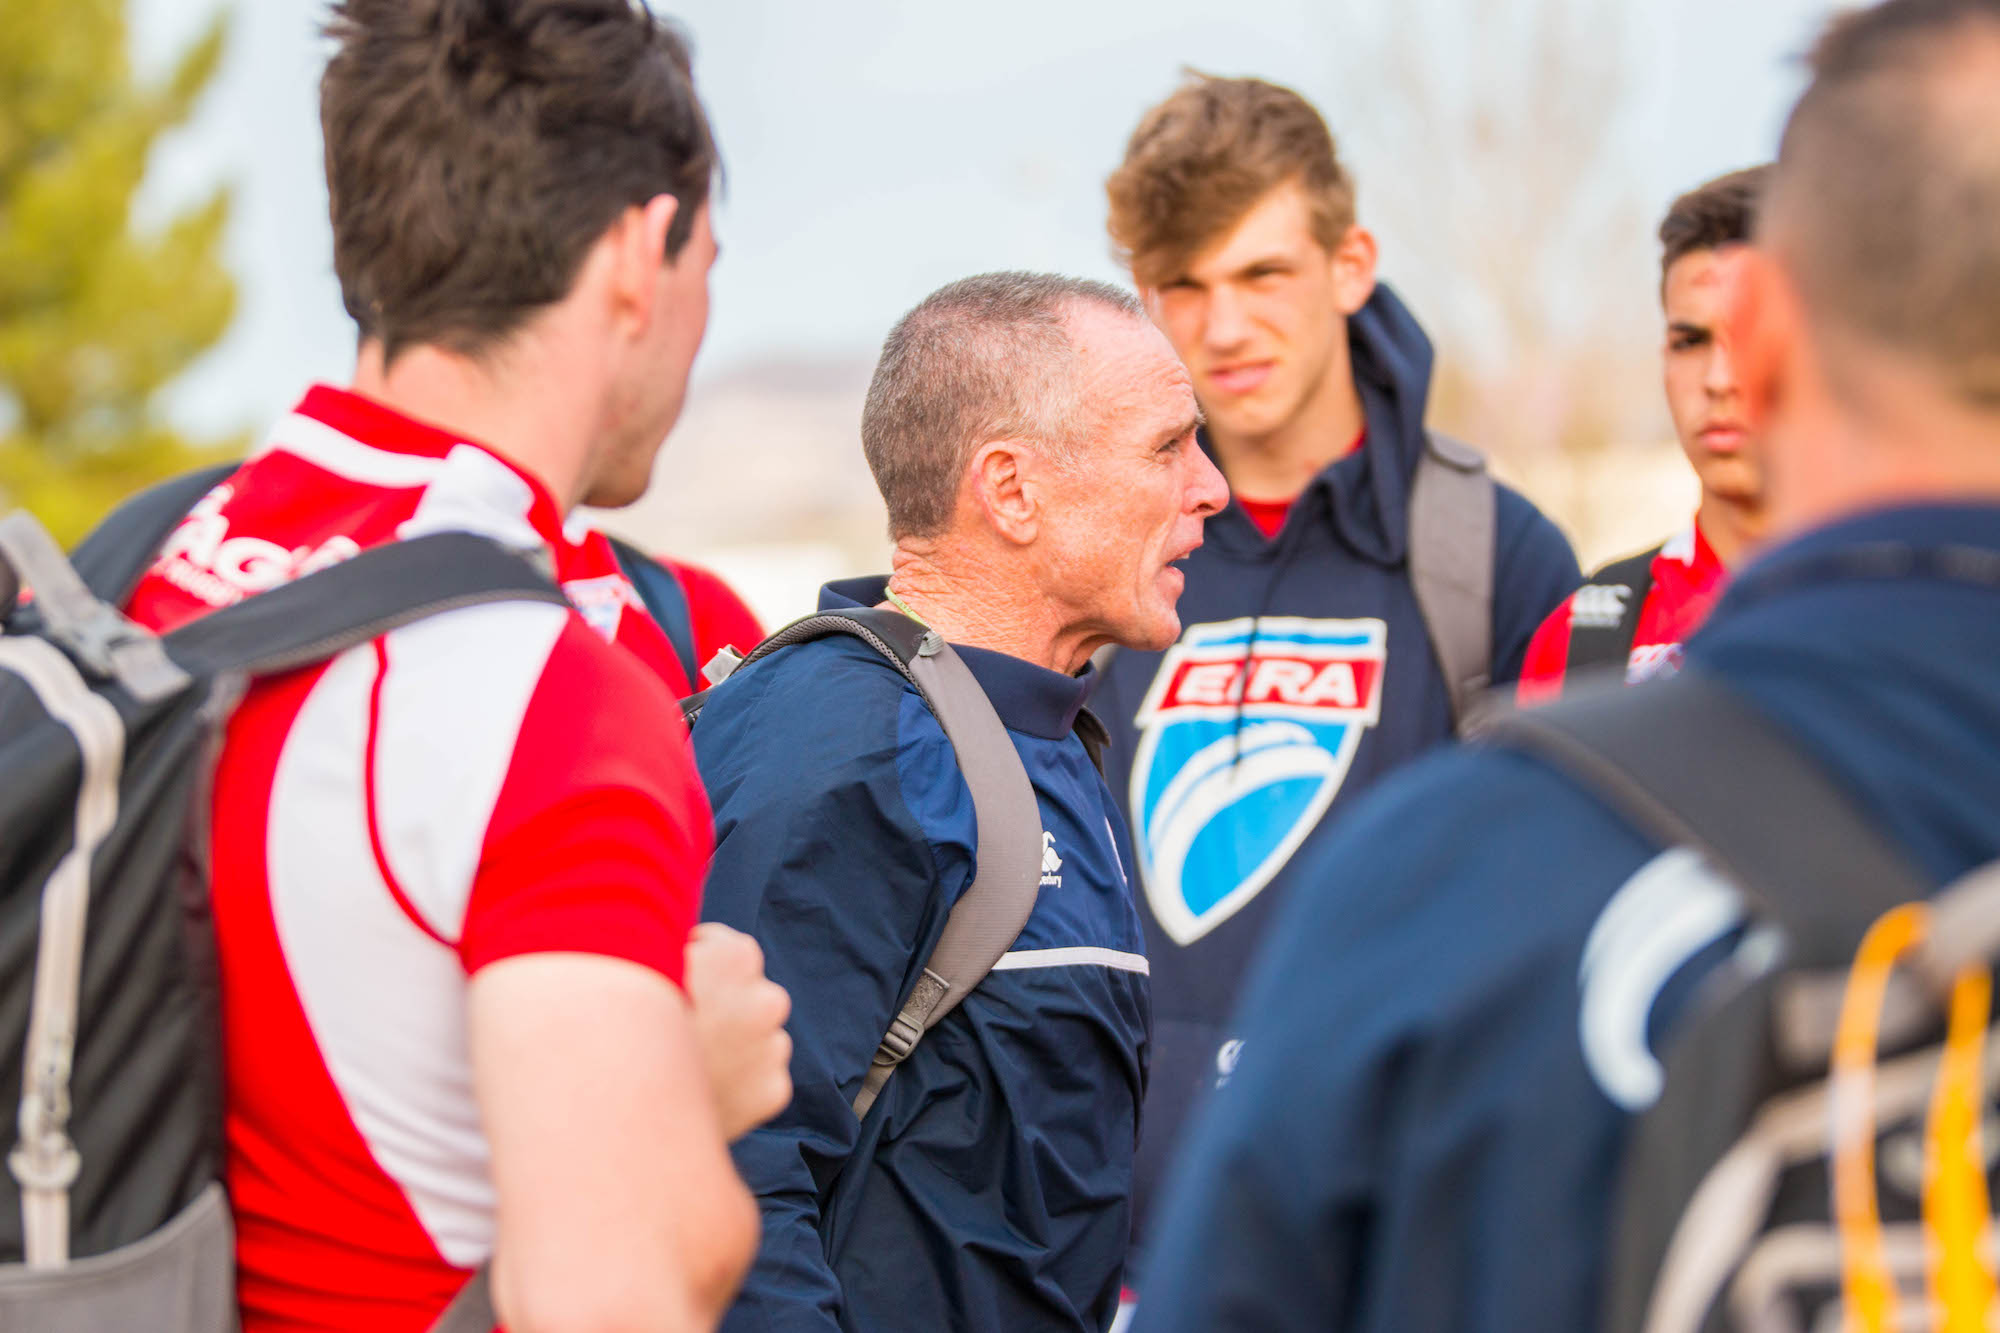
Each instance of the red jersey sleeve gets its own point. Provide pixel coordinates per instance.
(721, 618)
(601, 835)
(1546, 661)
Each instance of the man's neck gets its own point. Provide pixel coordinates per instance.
(1281, 463)
(541, 423)
(1731, 527)
(975, 601)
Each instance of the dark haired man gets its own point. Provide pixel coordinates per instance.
(1033, 440)
(455, 870)
(1446, 1045)
(1309, 666)
(1634, 613)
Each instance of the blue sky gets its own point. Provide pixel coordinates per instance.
(879, 148)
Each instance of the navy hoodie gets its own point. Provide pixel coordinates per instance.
(1424, 1127)
(1224, 798)
(989, 1188)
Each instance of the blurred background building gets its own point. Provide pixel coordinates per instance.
(1512, 155)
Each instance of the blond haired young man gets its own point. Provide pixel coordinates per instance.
(1306, 668)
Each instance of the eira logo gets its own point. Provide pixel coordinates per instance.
(1245, 736)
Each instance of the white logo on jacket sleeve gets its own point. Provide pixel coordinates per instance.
(1670, 910)
(1245, 736)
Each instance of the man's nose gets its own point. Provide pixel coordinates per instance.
(1208, 489)
(1719, 377)
(1228, 323)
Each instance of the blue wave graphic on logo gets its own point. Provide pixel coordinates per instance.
(1244, 740)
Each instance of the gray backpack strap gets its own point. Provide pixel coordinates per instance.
(1691, 763)
(471, 1311)
(1452, 531)
(94, 632)
(989, 915)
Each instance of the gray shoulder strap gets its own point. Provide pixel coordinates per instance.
(1452, 530)
(1007, 875)
(989, 915)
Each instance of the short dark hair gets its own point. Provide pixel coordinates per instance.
(1202, 159)
(984, 358)
(1708, 217)
(477, 149)
(1885, 204)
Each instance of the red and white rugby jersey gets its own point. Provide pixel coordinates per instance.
(494, 781)
(1687, 579)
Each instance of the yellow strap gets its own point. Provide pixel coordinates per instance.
(1868, 1290)
(1955, 1202)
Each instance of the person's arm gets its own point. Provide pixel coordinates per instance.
(820, 858)
(1534, 569)
(617, 1204)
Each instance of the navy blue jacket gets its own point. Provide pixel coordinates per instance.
(1422, 1130)
(989, 1187)
(1343, 687)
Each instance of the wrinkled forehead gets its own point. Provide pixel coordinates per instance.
(1128, 366)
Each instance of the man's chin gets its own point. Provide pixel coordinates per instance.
(1156, 635)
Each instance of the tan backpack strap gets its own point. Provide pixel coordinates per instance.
(989, 915)
(1452, 530)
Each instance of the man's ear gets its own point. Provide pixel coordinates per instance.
(1007, 490)
(1762, 320)
(638, 241)
(1354, 269)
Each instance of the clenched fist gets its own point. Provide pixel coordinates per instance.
(739, 1019)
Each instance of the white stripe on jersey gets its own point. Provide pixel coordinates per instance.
(451, 710)
(1081, 954)
(457, 689)
(344, 456)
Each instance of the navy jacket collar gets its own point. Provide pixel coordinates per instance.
(1805, 558)
(1028, 698)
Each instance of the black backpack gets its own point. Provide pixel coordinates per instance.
(1807, 1066)
(111, 1213)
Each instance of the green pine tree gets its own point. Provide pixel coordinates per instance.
(94, 317)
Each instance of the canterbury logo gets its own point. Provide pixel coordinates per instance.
(1051, 863)
(202, 559)
(1598, 606)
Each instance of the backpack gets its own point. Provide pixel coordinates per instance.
(989, 915)
(112, 1214)
(1815, 1153)
(1604, 613)
(119, 551)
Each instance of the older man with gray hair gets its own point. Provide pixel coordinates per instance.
(1033, 439)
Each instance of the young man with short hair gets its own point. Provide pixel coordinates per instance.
(1033, 440)
(1489, 976)
(1306, 669)
(1635, 613)
(455, 870)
